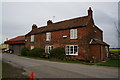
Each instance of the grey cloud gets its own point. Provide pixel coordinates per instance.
(18, 17)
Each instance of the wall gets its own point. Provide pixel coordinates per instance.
(85, 34)
(17, 48)
(95, 50)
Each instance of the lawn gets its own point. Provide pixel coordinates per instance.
(111, 63)
(11, 72)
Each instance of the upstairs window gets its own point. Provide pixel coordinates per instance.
(32, 38)
(48, 36)
(48, 49)
(73, 33)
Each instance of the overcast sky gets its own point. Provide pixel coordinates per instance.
(18, 17)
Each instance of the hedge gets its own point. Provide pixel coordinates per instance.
(58, 53)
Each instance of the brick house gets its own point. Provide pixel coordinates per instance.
(80, 37)
(16, 44)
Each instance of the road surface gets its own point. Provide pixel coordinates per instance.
(48, 69)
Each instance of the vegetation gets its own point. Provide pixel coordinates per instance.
(36, 52)
(111, 63)
(9, 71)
(57, 53)
(24, 51)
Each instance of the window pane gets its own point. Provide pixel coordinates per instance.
(32, 47)
(71, 34)
(32, 38)
(75, 49)
(51, 47)
(71, 49)
(75, 33)
(48, 36)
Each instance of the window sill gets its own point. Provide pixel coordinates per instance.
(74, 39)
(47, 41)
(72, 54)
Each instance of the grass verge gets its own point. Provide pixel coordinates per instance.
(9, 71)
(111, 63)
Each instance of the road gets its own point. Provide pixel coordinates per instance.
(48, 69)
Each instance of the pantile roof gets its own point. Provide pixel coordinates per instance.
(16, 40)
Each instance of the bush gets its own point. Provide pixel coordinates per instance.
(91, 59)
(44, 55)
(58, 53)
(24, 51)
(36, 52)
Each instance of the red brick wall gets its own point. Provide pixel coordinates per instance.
(85, 34)
(95, 50)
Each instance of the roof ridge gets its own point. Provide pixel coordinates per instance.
(64, 21)
(65, 24)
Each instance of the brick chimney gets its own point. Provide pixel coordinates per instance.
(49, 22)
(34, 26)
(90, 12)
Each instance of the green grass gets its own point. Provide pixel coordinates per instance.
(111, 63)
(114, 51)
(9, 71)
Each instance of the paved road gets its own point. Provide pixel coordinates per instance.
(48, 69)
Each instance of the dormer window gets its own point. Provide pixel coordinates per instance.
(48, 36)
(32, 38)
(73, 33)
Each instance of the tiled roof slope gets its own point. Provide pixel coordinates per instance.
(16, 40)
(67, 24)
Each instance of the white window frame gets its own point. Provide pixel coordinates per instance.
(32, 38)
(73, 33)
(68, 50)
(48, 36)
(32, 47)
(48, 48)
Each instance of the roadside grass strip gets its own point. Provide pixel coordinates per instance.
(110, 63)
(9, 71)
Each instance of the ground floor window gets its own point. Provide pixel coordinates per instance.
(48, 49)
(71, 49)
(32, 47)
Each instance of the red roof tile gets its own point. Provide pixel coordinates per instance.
(71, 23)
(16, 40)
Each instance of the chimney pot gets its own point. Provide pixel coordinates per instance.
(49, 22)
(34, 26)
(90, 12)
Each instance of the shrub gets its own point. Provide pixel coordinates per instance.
(36, 52)
(44, 55)
(58, 53)
(24, 51)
